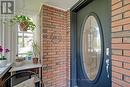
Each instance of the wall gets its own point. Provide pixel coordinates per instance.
(55, 43)
(121, 43)
(9, 32)
(56, 36)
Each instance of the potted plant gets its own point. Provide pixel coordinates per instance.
(36, 52)
(25, 22)
(3, 59)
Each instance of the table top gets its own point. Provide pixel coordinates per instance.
(3, 70)
(25, 66)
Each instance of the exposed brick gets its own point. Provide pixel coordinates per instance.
(126, 40)
(126, 52)
(121, 58)
(117, 63)
(117, 75)
(121, 10)
(115, 85)
(121, 70)
(120, 82)
(121, 22)
(115, 1)
(121, 46)
(116, 40)
(126, 14)
(126, 27)
(117, 17)
(118, 5)
(121, 34)
(126, 2)
(56, 46)
(117, 52)
(127, 65)
(127, 78)
(118, 28)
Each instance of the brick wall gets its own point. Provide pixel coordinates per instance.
(68, 38)
(121, 43)
(55, 43)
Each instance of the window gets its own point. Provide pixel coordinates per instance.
(25, 40)
(91, 47)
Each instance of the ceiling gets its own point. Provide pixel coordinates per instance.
(32, 7)
(63, 4)
(28, 6)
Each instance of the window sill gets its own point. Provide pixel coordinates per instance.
(25, 67)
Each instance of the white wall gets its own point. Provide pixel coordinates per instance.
(9, 33)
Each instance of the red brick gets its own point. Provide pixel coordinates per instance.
(126, 27)
(117, 63)
(118, 28)
(127, 65)
(117, 5)
(115, 1)
(117, 17)
(116, 40)
(116, 52)
(120, 82)
(126, 2)
(121, 10)
(120, 43)
(121, 58)
(115, 85)
(121, 46)
(121, 70)
(117, 75)
(121, 22)
(126, 52)
(126, 40)
(126, 14)
(54, 45)
(127, 78)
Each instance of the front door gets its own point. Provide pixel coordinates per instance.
(91, 44)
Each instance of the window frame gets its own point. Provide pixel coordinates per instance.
(17, 42)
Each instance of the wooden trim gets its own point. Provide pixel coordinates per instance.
(80, 4)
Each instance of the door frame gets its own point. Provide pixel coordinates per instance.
(73, 18)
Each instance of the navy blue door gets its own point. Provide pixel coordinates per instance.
(92, 42)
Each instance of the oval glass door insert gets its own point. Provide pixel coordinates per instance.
(91, 47)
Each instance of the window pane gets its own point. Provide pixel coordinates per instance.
(25, 44)
(91, 47)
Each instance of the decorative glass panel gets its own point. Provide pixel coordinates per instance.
(91, 47)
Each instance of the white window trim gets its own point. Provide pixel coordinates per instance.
(11, 39)
(23, 32)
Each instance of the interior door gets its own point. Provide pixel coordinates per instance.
(92, 41)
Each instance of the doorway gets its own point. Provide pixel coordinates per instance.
(91, 43)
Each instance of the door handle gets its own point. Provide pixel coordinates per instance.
(107, 66)
(107, 52)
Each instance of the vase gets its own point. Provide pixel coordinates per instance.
(23, 26)
(19, 62)
(3, 63)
